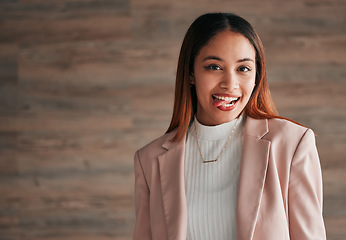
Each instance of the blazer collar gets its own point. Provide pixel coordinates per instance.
(256, 127)
(252, 175)
(171, 166)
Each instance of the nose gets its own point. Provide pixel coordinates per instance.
(229, 81)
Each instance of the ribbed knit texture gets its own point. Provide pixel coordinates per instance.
(211, 188)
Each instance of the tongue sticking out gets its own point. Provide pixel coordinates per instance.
(219, 102)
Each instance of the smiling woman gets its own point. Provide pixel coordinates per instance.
(224, 77)
(228, 167)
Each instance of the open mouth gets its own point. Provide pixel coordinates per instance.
(224, 101)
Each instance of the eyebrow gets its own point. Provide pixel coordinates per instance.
(220, 59)
(246, 60)
(213, 58)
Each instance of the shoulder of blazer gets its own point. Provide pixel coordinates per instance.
(157, 147)
(285, 136)
(280, 132)
(264, 128)
(285, 129)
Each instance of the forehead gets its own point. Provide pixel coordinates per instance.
(228, 44)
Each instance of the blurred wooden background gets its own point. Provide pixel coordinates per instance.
(84, 83)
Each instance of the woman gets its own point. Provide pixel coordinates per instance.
(228, 167)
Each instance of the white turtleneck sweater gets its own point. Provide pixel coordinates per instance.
(211, 188)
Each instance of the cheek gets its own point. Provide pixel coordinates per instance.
(202, 93)
(203, 84)
(249, 87)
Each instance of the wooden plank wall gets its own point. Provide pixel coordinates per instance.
(84, 83)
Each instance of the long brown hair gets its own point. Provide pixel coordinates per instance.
(260, 104)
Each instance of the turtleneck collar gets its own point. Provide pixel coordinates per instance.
(218, 132)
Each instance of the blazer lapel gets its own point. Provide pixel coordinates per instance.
(171, 165)
(252, 175)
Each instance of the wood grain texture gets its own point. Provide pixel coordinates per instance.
(85, 83)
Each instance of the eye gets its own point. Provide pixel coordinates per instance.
(244, 69)
(213, 67)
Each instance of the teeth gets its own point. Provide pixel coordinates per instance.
(227, 99)
(228, 105)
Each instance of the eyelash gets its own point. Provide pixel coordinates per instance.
(214, 66)
(247, 69)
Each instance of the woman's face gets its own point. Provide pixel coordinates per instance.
(224, 77)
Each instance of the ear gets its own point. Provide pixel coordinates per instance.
(192, 79)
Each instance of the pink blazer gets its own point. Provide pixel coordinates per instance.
(279, 192)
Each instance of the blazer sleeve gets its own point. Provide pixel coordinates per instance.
(305, 192)
(142, 228)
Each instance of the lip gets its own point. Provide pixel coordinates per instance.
(226, 95)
